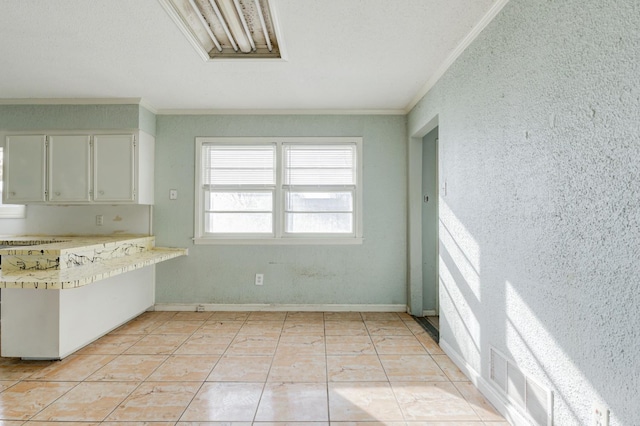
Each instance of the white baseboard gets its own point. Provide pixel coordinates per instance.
(503, 406)
(429, 313)
(279, 307)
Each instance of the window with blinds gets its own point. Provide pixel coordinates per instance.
(239, 188)
(319, 186)
(286, 189)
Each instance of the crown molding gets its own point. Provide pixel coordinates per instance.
(73, 101)
(462, 46)
(281, 112)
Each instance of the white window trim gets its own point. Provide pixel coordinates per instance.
(279, 238)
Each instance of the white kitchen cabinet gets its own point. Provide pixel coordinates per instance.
(69, 168)
(24, 175)
(114, 168)
(73, 168)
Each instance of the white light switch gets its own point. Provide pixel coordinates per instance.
(173, 194)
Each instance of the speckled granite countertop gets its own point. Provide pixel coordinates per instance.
(61, 262)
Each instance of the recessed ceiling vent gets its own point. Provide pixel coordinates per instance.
(226, 29)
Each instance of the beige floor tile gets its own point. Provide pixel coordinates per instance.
(192, 316)
(55, 423)
(308, 317)
(370, 423)
(241, 369)
(89, 401)
(429, 344)
(253, 345)
(450, 369)
(433, 401)
(229, 316)
(156, 315)
(224, 402)
(412, 368)
(380, 316)
(261, 328)
(138, 326)
(301, 344)
(6, 384)
(136, 424)
(267, 316)
(111, 344)
(369, 401)
(414, 327)
(387, 328)
(128, 368)
(26, 399)
(293, 402)
(435, 321)
(342, 316)
(157, 344)
(204, 344)
(14, 423)
(213, 424)
(298, 368)
(16, 369)
(355, 368)
(345, 328)
(220, 327)
(311, 328)
(349, 345)
(405, 316)
(185, 368)
(178, 327)
(156, 401)
(469, 423)
(291, 423)
(391, 345)
(73, 368)
(480, 405)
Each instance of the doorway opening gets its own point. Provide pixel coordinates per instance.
(430, 224)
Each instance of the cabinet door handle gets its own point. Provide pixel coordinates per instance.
(101, 192)
(12, 193)
(58, 193)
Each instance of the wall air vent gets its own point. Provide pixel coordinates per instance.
(227, 29)
(520, 390)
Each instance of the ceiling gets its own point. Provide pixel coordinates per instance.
(339, 54)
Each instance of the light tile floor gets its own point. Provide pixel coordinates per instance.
(243, 368)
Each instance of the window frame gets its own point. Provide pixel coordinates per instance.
(279, 236)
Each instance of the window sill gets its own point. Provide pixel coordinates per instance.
(278, 241)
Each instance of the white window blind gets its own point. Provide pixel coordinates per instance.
(320, 165)
(238, 185)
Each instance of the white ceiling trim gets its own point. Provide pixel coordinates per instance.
(473, 34)
(73, 101)
(281, 112)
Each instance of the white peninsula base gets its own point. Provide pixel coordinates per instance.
(51, 324)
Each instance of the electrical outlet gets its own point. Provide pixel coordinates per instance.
(259, 279)
(600, 415)
(99, 220)
(173, 194)
(200, 308)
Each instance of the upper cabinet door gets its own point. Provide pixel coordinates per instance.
(114, 168)
(24, 169)
(69, 168)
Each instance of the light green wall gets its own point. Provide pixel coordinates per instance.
(69, 117)
(371, 273)
(430, 220)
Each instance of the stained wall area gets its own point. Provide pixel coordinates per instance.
(540, 227)
(372, 273)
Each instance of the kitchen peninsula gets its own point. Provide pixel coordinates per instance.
(60, 293)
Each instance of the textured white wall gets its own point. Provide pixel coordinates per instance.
(539, 126)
